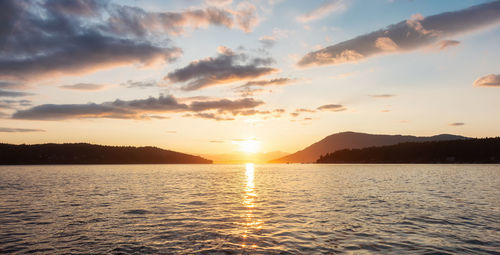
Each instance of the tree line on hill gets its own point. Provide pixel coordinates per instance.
(83, 153)
(485, 150)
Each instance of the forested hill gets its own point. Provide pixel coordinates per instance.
(485, 150)
(355, 140)
(83, 153)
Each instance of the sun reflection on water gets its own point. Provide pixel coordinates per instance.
(250, 222)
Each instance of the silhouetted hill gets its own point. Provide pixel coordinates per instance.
(83, 153)
(485, 150)
(353, 140)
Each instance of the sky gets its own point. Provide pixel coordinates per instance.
(222, 76)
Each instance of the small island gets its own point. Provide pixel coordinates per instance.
(462, 151)
(84, 153)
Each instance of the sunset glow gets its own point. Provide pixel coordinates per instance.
(232, 79)
(248, 146)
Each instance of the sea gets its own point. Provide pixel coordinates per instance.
(250, 209)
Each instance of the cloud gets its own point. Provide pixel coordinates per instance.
(14, 104)
(267, 41)
(11, 85)
(8, 93)
(216, 141)
(41, 39)
(139, 22)
(84, 86)
(226, 67)
(133, 109)
(382, 96)
(445, 44)
(210, 115)
(297, 112)
(50, 38)
(19, 130)
(332, 107)
(139, 109)
(386, 44)
(246, 16)
(322, 11)
(248, 89)
(491, 80)
(411, 34)
(456, 124)
(271, 82)
(139, 84)
(225, 105)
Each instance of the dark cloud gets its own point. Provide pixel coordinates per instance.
(139, 84)
(46, 38)
(407, 35)
(226, 67)
(19, 130)
(456, 124)
(140, 109)
(383, 96)
(84, 86)
(133, 109)
(332, 107)
(491, 80)
(8, 93)
(50, 38)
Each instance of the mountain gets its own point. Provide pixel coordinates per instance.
(486, 150)
(353, 140)
(83, 153)
(239, 158)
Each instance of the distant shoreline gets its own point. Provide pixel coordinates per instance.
(464, 151)
(91, 154)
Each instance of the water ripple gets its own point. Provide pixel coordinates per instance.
(262, 209)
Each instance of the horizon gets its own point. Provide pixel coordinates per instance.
(257, 157)
(246, 77)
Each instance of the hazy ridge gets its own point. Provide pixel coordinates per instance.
(354, 140)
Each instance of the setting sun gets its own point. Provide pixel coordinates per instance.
(249, 145)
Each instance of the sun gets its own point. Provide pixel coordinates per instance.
(249, 145)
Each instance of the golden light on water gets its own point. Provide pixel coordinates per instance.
(250, 195)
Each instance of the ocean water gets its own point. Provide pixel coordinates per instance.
(250, 209)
